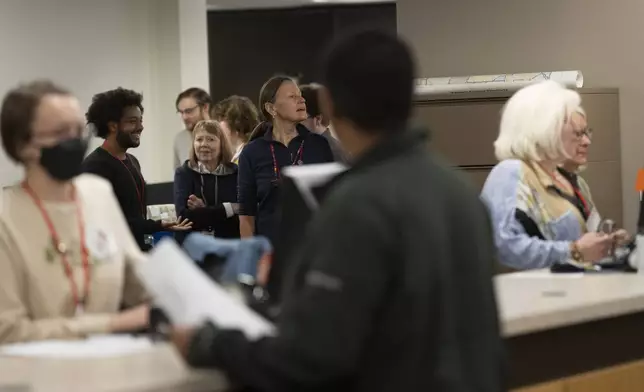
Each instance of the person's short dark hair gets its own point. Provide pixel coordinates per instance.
(109, 107)
(369, 76)
(196, 93)
(18, 113)
(239, 113)
(310, 94)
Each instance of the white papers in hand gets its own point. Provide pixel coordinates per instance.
(189, 297)
(308, 177)
(93, 347)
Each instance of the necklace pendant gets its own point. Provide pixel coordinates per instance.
(60, 247)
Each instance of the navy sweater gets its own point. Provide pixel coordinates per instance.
(258, 181)
(214, 189)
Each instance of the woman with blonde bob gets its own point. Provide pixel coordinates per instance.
(539, 218)
(205, 186)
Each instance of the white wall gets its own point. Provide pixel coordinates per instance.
(193, 44)
(604, 39)
(90, 46)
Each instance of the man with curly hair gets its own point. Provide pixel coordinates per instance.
(117, 116)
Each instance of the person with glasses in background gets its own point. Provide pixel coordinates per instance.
(570, 169)
(238, 117)
(540, 219)
(193, 105)
(117, 116)
(66, 254)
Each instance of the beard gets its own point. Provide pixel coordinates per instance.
(201, 116)
(128, 139)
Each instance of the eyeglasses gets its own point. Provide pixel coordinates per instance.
(187, 111)
(580, 133)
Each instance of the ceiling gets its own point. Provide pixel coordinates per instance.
(255, 4)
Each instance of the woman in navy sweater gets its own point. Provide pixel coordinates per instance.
(276, 143)
(205, 186)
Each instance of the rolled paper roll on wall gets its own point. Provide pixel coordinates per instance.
(495, 82)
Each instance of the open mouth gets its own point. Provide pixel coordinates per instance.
(136, 136)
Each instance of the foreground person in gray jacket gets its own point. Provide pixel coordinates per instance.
(391, 288)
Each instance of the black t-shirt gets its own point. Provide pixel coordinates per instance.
(129, 188)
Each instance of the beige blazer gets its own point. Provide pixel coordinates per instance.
(35, 294)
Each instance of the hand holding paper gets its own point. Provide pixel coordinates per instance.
(190, 298)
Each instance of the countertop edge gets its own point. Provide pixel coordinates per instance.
(568, 317)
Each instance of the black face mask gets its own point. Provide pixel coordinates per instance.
(63, 161)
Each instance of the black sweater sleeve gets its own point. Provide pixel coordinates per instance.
(201, 218)
(323, 326)
(138, 224)
(142, 226)
(204, 217)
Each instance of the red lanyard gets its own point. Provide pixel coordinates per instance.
(583, 200)
(295, 161)
(62, 250)
(576, 191)
(140, 193)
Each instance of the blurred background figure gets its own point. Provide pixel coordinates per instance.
(66, 253)
(539, 217)
(205, 186)
(193, 105)
(238, 117)
(319, 123)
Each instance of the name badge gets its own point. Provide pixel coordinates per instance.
(100, 244)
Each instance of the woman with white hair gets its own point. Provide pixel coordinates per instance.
(571, 169)
(539, 218)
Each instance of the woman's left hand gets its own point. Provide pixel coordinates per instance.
(194, 202)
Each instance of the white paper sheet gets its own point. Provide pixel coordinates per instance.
(308, 176)
(102, 346)
(593, 222)
(189, 297)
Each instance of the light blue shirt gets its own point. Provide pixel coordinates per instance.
(506, 192)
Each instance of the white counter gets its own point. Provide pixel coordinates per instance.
(528, 302)
(159, 370)
(538, 300)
